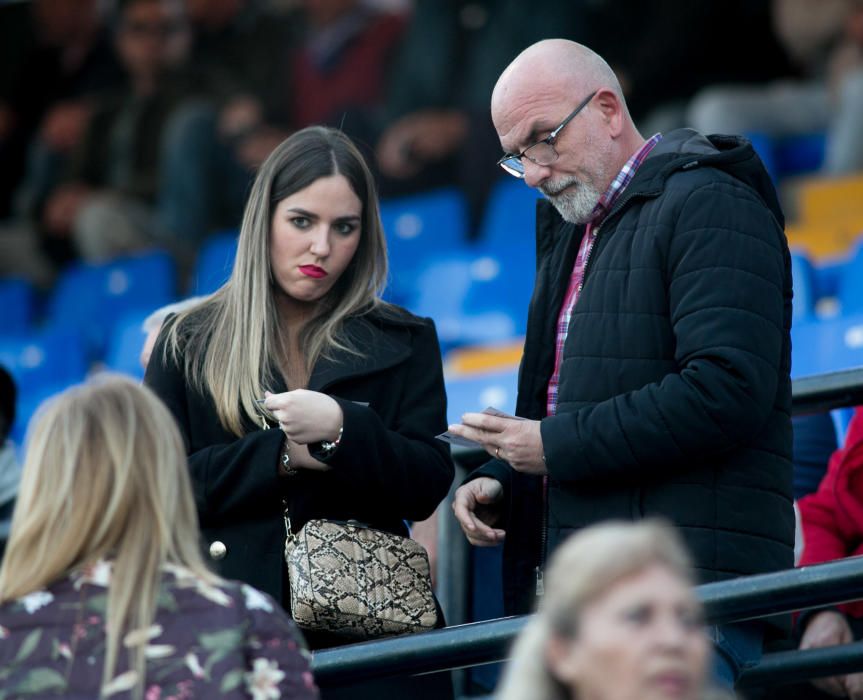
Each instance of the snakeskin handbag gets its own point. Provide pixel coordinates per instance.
(350, 579)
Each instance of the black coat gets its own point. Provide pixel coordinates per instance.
(388, 467)
(675, 395)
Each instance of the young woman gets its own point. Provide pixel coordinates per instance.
(104, 591)
(352, 387)
(619, 621)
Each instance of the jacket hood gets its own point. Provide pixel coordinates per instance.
(684, 149)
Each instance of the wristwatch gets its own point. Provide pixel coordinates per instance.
(325, 449)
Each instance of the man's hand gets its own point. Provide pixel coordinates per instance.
(827, 629)
(517, 442)
(477, 507)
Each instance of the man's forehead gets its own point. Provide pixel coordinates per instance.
(520, 116)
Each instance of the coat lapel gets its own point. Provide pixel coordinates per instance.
(382, 347)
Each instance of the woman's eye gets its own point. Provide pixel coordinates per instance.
(639, 615)
(346, 228)
(301, 221)
(692, 619)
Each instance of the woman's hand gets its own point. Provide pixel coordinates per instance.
(306, 416)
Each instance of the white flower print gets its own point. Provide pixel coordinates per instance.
(159, 651)
(98, 573)
(217, 595)
(194, 665)
(36, 600)
(263, 680)
(255, 600)
(136, 637)
(125, 681)
(4, 633)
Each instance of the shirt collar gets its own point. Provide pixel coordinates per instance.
(623, 178)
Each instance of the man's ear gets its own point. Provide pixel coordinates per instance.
(611, 108)
(563, 659)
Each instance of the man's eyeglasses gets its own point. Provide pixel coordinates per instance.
(542, 152)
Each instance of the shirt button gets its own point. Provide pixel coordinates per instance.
(218, 550)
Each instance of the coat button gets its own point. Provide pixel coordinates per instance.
(218, 550)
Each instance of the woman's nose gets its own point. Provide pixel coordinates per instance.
(320, 243)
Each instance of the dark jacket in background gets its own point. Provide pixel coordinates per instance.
(674, 396)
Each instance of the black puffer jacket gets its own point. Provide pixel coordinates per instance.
(675, 393)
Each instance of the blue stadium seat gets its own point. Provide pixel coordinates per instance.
(92, 297)
(17, 299)
(476, 391)
(476, 297)
(803, 276)
(803, 153)
(828, 345)
(850, 286)
(28, 402)
(215, 262)
(54, 357)
(510, 215)
(124, 346)
(418, 227)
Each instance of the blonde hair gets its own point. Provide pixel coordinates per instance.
(105, 476)
(232, 341)
(581, 569)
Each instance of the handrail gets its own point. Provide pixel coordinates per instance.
(487, 642)
(738, 599)
(824, 392)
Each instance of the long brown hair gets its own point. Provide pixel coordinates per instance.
(231, 342)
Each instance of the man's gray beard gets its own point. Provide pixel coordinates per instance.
(575, 205)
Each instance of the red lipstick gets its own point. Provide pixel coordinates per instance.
(313, 271)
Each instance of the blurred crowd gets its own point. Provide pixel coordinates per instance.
(137, 123)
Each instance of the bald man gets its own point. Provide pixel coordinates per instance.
(655, 377)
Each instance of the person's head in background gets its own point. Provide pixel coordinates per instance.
(619, 621)
(153, 324)
(8, 395)
(152, 37)
(311, 254)
(571, 162)
(105, 477)
(61, 23)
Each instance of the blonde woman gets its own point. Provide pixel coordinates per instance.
(619, 621)
(295, 386)
(103, 591)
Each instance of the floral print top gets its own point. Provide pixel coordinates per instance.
(206, 641)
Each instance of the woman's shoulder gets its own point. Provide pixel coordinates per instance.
(386, 315)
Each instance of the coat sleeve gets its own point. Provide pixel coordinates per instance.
(724, 273)
(402, 467)
(230, 478)
(825, 536)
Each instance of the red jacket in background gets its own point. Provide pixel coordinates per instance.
(832, 517)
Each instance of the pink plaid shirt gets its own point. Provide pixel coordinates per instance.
(600, 211)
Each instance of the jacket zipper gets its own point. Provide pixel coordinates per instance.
(543, 540)
(543, 537)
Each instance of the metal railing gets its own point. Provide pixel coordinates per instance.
(750, 597)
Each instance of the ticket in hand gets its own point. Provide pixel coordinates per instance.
(464, 442)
